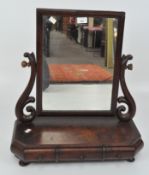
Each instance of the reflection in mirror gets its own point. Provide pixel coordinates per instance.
(77, 62)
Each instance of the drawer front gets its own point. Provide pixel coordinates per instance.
(77, 154)
(63, 154)
(39, 155)
(80, 154)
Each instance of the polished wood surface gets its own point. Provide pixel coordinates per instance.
(45, 136)
(75, 139)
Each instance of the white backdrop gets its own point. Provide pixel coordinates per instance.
(18, 34)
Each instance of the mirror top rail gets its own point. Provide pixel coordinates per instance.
(68, 12)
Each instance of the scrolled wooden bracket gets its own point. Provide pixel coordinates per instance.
(25, 99)
(125, 113)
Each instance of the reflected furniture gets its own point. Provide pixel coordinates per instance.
(59, 135)
(94, 31)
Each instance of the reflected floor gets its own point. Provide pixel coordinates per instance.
(63, 50)
(77, 97)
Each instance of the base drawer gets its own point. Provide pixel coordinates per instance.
(78, 154)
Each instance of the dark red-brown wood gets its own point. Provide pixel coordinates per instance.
(75, 139)
(25, 99)
(57, 136)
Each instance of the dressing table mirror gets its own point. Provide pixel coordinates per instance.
(79, 69)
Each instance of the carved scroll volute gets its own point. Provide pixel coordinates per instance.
(125, 113)
(25, 99)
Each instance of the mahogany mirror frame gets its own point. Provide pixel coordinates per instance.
(117, 67)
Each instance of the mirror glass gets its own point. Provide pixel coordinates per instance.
(78, 56)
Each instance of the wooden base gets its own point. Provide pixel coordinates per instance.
(58, 139)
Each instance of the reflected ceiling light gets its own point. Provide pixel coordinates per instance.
(52, 20)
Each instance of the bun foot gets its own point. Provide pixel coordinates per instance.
(21, 163)
(131, 160)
